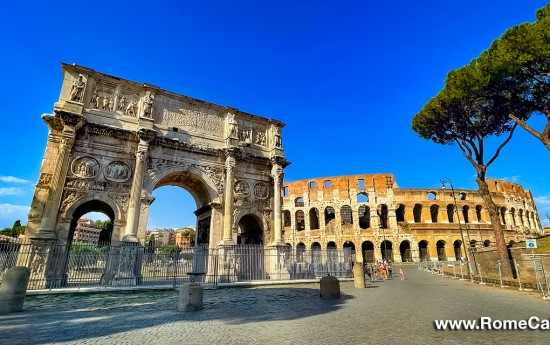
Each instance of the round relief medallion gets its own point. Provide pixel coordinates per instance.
(241, 187)
(261, 191)
(87, 167)
(117, 171)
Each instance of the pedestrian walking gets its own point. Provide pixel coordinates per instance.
(401, 273)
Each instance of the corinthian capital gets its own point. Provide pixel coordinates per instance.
(146, 134)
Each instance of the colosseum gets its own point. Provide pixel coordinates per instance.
(372, 214)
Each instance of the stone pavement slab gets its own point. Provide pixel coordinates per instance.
(394, 311)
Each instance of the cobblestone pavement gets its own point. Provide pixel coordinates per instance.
(395, 311)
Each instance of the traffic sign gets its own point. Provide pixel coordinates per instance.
(531, 243)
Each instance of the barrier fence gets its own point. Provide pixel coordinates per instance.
(53, 265)
(527, 272)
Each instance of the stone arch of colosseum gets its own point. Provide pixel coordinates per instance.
(370, 209)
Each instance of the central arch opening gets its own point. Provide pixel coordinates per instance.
(180, 214)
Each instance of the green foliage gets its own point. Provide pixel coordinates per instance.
(16, 230)
(87, 248)
(170, 250)
(509, 81)
(103, 224)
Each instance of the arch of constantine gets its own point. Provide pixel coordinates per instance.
(373, 216)
(112, 141)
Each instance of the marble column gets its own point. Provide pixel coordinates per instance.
(71, 123)
(134, 204)
(277, 173)
(228, 200)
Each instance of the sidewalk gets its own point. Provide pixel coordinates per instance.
(393, 311)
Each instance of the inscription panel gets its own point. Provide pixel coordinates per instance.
(187, 116)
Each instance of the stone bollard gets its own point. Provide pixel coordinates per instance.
(330, 288)
(13, 289)
(358, 275)
(191, 297)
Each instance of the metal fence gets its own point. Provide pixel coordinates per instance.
(527, 272)
(53, 265)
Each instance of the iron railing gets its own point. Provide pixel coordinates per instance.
(54, 265)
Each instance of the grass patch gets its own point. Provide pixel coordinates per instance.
(543, 245)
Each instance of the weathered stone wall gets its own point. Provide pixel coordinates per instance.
(403, 216)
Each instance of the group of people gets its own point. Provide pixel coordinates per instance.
(382, 269)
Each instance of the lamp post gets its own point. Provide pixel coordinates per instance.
(444, 181)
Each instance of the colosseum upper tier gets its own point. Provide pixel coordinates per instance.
(372, 214)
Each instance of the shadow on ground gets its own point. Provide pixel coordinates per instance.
(58, 318)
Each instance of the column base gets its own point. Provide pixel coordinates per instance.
(44, 234)
(130, 239)
(228, 242)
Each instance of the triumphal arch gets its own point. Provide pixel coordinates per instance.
(112, 141)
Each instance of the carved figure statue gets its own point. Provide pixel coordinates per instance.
(111, 105)
(122, 103)
(131, 108)
(232, 127)
(277, 140)
(148, 104)
(105, 104)
(77, 89)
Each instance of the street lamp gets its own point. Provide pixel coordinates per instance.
(444, 181)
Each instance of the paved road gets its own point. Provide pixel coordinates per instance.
(395, 312)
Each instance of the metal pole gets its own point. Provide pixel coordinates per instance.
(443, 181)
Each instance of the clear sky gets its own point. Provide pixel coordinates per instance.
(346, 77)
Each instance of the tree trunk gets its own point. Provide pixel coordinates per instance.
(495, 221)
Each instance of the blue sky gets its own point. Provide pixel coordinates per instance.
(346, 77)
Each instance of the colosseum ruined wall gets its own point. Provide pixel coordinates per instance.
(370, 214)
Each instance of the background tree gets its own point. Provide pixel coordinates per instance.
(490, 97)
(462, 114)
(15, 231)
(520, 59)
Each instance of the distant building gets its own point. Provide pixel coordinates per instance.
(546, 230)
(87, 231)
(163, 236)
(185, 237)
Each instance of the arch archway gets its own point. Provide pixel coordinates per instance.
(367, 248)
(198, 185)
(93, 205)
(440, 246)
(386, 248)
(457, 245)
(405, 251)
(250, 230)
(423, 250)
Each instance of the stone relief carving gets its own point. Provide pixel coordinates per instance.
(215, 174)
(245, 134)
(69, 198)
(178, 145)
(110, 132)
(261, 191)
(260, 138)
(103, 97)
(77, 89)
(117, 171)
(148, 104)
(93, 185)
(44, 179)
(87, 167)
(127, 103)
(178, 113)
(241, 187)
